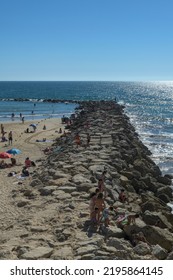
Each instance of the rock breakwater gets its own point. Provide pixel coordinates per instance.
(56, 224)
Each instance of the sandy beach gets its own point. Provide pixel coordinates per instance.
(29, 147)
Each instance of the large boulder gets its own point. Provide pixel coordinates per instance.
(38, 253)
(155, 218)
(142, 249)
(159, 252)
(156, 235)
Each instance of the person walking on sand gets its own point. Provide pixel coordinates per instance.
(10, 138)
(2, 129)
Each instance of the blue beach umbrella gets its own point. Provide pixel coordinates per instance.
(14, 151)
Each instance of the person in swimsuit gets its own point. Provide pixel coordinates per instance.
(99, 203)
(95, 217)
(10, 138)
(77, 140)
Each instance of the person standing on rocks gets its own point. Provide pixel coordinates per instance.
(101, 187)
(93, 197)
(88, 139)
(77, 140)
(105, 216)
(103, 174)
(100, 203)
(95, 217)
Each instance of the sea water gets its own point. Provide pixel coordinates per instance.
(148, 104)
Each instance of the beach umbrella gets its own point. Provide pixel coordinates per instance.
(5, 155)
(14, 151)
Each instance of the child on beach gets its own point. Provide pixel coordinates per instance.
(105, 216)
(95, 217)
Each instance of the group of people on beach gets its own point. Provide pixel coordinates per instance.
(3, 137)
(79, 142)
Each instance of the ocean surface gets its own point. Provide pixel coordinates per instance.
(148, 104)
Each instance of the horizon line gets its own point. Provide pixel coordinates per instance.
(86, 81)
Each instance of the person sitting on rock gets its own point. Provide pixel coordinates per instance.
(123, 197)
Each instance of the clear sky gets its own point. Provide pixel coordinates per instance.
(86, 40)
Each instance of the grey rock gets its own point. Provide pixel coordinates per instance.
(37, 253)
(159, 252)
(142, 249)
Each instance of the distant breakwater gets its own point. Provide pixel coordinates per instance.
(40, 100)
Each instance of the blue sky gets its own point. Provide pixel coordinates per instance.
(110, 40)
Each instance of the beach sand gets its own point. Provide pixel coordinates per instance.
(27, 143)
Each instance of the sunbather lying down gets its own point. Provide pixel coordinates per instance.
(44, 140)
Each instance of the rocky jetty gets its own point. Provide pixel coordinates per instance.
(55, 223)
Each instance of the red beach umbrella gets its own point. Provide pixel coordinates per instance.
(5, 155)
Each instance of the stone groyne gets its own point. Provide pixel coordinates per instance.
(56, 222)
